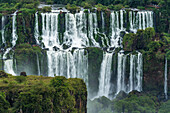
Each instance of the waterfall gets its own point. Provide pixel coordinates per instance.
(121, 19)
(142, 20)
(8, 64)
(165, 81)
(92, 30)
(8, 67)
(132, 72)
(120, 75)
(3, 29)
(64, 63)
(81, 29)
(36, 29)
(81, 24)
(115, 30)
(103, 23)
(14, 28)
(105, 75)
(135, 75)
(50, 30)
(38, 64)
(139, 74)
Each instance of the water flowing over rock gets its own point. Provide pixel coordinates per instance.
(105, 75)
(8, 63)
(36, 31)
(70, 65)
(67, 36)
(14, 30)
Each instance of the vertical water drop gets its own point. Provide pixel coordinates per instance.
(36, 29)
(165, 81)
(3, 29)
(120, 72)
(139, 73)
(14, 29)
(103, 22)
(105, 75)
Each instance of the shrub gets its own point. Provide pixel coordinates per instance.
(20, 79)
(5, 81)
(46, 9)
(4, 104)
(72, 8)
(118, 7)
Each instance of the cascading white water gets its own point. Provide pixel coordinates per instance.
(139, 73)
(121, 73)
(36, 29)
(136, 73)
(92, 30)
(81, 24)
(132, 72)
(115, 38)
(165, 81)
(105, 75)
(14, 29)
(64, 63)
(81, 30)
(141, 20)
(3, 29)
(103, 22)
(8, 67)
(121, 20)
(8, 64)
(50, 30)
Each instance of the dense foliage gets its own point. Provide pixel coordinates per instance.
(42, 94)
(134, 102)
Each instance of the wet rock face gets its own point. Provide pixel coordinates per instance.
(23, 74)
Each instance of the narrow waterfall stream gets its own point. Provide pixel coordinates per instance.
(3, 29)
(165, 81)
(36, 29)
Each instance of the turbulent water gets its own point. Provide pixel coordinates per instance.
(67, 56)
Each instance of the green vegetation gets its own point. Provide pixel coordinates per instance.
(42, 94)
(149, 41)
(134, 102)
(164, 108)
